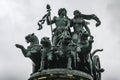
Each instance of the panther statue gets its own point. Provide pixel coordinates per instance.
(46, 47)
(84, 50)
(33, 51)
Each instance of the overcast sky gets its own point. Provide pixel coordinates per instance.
(19, 18)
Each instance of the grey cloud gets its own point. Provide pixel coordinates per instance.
(113, 9)
(19, 17)
(12, 77)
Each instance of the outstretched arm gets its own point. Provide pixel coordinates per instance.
(49, 21)
(92, 16)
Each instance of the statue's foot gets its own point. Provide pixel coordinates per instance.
(39, 28)
(18, 46)
(40, 70)
(92, 75)
(31, 74)
(70, 68)
(101, 70)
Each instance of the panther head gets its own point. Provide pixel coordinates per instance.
(32, 38)
(84, 36)
(45, 41)
(67, 40)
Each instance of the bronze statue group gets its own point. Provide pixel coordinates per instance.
(67, 49)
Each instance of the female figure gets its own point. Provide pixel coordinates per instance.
(62, 23)
(80, 25)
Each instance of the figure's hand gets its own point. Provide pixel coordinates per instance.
(40, 26)
(87, 23)
(48, 13)
(50, 58)
(28, 54)
(18, 45)
(54, 30)
(91, 39)
(98, 23)
(66, 28)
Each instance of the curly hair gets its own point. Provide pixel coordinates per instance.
(60, 11)
(77, 11)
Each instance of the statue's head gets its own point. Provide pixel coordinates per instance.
(45, 41)
(62, 11)
(85, 35)
(77, 13)
(31, 38)
(67, 40)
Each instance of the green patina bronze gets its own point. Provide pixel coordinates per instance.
(33, 51)
(68, 50)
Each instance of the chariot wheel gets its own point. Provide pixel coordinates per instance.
(96, 68)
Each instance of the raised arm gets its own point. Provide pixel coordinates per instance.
(49, 21)
(87, 29)
(92, 16)
(85, 23)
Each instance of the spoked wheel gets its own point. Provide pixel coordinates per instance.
(96, 68)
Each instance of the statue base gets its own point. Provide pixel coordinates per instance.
(60, 74)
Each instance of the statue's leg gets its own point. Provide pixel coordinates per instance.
(69, 64)
(49, 60)
(33, 68)
(89, 66)
(75, 38)
(74, 59)
(55, 40)
(41, 66)
(78, 49)
(42, 62)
